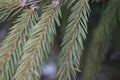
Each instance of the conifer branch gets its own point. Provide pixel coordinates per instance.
(9, 10)
(30, 41)
(69, 2)
(39, 45)
(72, 45)
(12, 47)
(100, 41)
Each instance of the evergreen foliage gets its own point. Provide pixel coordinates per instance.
(101, 40)
(6, 10)
(30, 42)
(72, 45)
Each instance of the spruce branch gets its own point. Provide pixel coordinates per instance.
(12, 46)
(8, 10)
(72, 45)
(69, 2)
(39, 45)
(100, 42)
